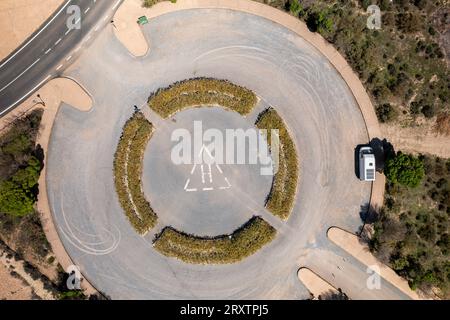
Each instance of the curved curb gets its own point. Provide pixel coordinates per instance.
(315, 284)
(53, 93)
(286, 20)
(350, 243)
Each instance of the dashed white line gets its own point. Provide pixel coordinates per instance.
(187, 183)
(105, 18)
(67, 32)
(37, 34)
(20, 74)
(58, 41)
(68, 58)
(31, 91)
(59, 67)
(208, 189)
(48, 50)
(87, 10)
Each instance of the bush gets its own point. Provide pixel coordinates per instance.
(282, 195)
(318, 21)
(18, 194)
(218, 250)
(405, 169)
(127, 173)
(386, 112)
(428, 111)
(201, 92)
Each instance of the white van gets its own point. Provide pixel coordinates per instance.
(366, 164)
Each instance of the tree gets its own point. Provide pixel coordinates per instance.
(18, 194)
(404, 169)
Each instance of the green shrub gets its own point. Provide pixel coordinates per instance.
(282, 195)
(201, 92)
(404, 169)
(128, 170)
(18, 194)
(149, 3)
(218, 250)
(386, 112)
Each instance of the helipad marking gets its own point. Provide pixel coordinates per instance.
(204, 173)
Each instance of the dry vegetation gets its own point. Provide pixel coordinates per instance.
(412, 234)
(201, 92)
(218, 250)
(282, 195)
(127, 173)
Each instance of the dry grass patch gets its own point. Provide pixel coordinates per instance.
(201, 92)
(281, 198)
(127, 173)
(218, 250)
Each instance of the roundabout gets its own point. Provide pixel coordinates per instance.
(287, 75)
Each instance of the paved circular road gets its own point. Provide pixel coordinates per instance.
(286, 73)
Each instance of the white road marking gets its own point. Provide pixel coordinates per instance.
(67, 32)
(191, 190)
(187, 183)
(105, 18)
(31, 91)
(58, 41)
(48, 50)
(59, 67)
(193, 169)
(208, 189)
(68, 58)
(20, 74)
(87, 10)
(115, 5)
(37, 34)
(203, 174)
(210, 173)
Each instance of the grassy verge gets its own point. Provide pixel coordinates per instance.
(201, 92)
(127, 173)
(412, 234)
(282, 194)
(218, 250)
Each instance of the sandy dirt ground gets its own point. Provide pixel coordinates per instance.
(20, 18)
(351, 243)
(420, 139)
(315, 284)
(13, 288)
(21, 289)
(52, 94)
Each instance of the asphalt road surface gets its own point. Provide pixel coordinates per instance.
(50, 50)
(286, 73)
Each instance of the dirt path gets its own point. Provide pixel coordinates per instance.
(420, 139)
(19, 19)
